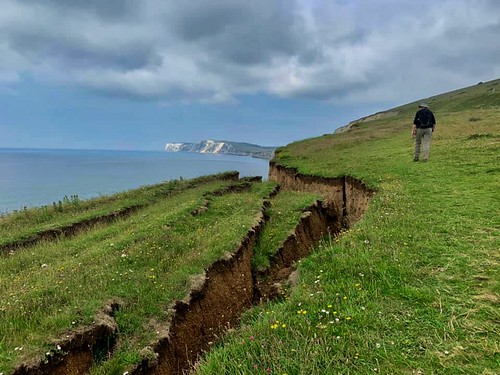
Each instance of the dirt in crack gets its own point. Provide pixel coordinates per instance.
(230, 286)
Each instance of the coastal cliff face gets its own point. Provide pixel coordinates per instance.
(376, 116)
(204, 147)
(211, 146)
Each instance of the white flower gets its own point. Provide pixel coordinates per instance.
(377, 345)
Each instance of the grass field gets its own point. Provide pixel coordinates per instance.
(413, 288)
(143, 262)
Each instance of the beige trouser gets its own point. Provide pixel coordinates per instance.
(425, 135)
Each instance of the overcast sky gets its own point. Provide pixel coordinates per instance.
(130, 74)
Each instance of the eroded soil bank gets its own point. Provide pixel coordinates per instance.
(229, 286)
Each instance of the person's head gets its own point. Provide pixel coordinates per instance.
(422, 105)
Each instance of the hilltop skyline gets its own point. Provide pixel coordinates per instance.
(134, 75)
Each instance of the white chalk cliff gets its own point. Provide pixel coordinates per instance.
(211, 146)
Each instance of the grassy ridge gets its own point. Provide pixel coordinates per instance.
(414, 287)
(144, 262)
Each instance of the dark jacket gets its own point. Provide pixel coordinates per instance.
(424, 118)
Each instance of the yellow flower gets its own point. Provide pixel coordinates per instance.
(283, 325)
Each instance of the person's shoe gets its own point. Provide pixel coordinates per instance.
(415, 159)
(425, 160)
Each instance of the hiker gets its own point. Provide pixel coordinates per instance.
(423, 126)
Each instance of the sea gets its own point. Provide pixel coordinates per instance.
(37, 177)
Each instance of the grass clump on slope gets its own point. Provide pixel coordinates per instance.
(413, 288)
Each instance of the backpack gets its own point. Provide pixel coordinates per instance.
(425, 118)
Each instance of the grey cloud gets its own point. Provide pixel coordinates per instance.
(211, 50)
(106, 9)
(243, 33)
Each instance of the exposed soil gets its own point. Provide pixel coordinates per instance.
(80, 348)
(74, 228)
(69, 230)
(348, 197)
(226, 289)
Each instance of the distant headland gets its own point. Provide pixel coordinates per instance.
(211, 146)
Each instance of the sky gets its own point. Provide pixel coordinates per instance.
(133, 75)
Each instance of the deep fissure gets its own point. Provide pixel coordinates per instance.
(228, 287)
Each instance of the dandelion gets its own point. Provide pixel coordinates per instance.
(283, 325)
(330, 306)
(348, 318)
(344, 298)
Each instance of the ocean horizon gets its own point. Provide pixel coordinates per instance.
(37, 177)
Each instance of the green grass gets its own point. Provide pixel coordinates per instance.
(145, 261)
(284, 214)
(25, 223)
(413, 288)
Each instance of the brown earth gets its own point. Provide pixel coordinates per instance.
(75, 228)
(226, 289)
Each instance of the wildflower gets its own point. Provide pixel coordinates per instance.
(251, 338)
(377, 345)
(344, 298)
(329, 306)
(348, 318)
(283, 325)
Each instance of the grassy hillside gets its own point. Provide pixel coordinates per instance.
(142, 262)
(414, 287)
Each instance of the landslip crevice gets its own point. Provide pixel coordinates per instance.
(230, 285)
(79, 349)
(125, 212)
(347, 196)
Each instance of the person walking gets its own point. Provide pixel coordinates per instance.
(423, 127)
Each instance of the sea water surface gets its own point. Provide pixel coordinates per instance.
(36, 177)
